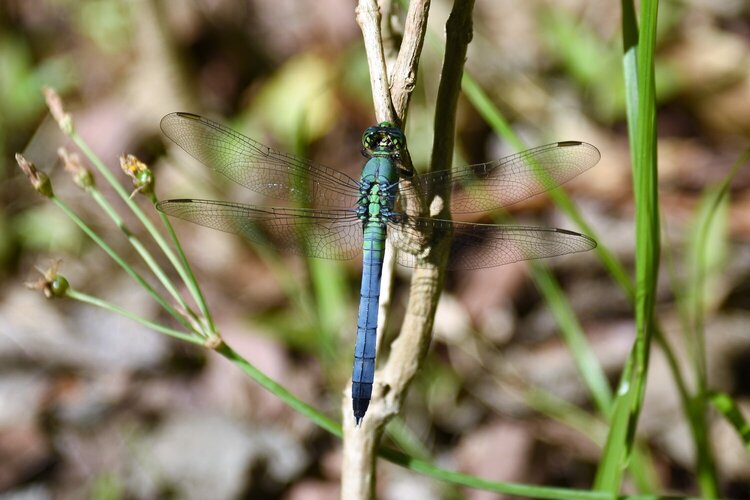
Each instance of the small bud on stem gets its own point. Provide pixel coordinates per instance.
(52, 284)
(39, 180)
(143, 178)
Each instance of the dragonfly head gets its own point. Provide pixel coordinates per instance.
(383, 138)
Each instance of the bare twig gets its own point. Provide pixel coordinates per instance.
(404, 73)
(402, 69)
(458, 31)
(358, 469)
(388, 33)
(368, 18)
(408, 350)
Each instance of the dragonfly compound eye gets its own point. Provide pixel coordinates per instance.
(370, 137)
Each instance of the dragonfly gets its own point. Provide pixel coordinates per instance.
(330, 215)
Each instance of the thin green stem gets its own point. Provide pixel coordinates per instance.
(95, 301)
(120, 261)
(280, 391)
(552, 406)
(699, 265)
(125, 196)
(674, 366)
(517, 489)
(138, 245)
(416, 465)
(497, 121)
(191, 281)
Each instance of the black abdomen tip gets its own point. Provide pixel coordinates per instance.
(359, 405)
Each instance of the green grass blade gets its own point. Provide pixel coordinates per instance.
(594, 377)
(595, 383)
(727, 407)
(630, 67)
(495, 119)
(707, 253)
(614, 456)
(646, 193)
(589, 367)
(640, 96)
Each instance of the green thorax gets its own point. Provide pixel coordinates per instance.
(382, 144)
(379, 170)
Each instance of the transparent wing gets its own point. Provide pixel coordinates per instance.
(326, 234)
(503, 182)
(476, 246)
(258, 167)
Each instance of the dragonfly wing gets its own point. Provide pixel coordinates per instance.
(477, 246)
(503, 182)
(258, 167)
(326, 234)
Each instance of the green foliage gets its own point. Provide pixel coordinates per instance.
(107, 22)
(43, 228)
(21, 79)
(298, 97)
(593, 63)
(106, 487)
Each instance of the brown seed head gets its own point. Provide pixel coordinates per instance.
(55, 105)
(39, 180)
(72, 163)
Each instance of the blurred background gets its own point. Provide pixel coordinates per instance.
(95, 406)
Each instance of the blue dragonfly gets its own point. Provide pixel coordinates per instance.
(333, 216)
